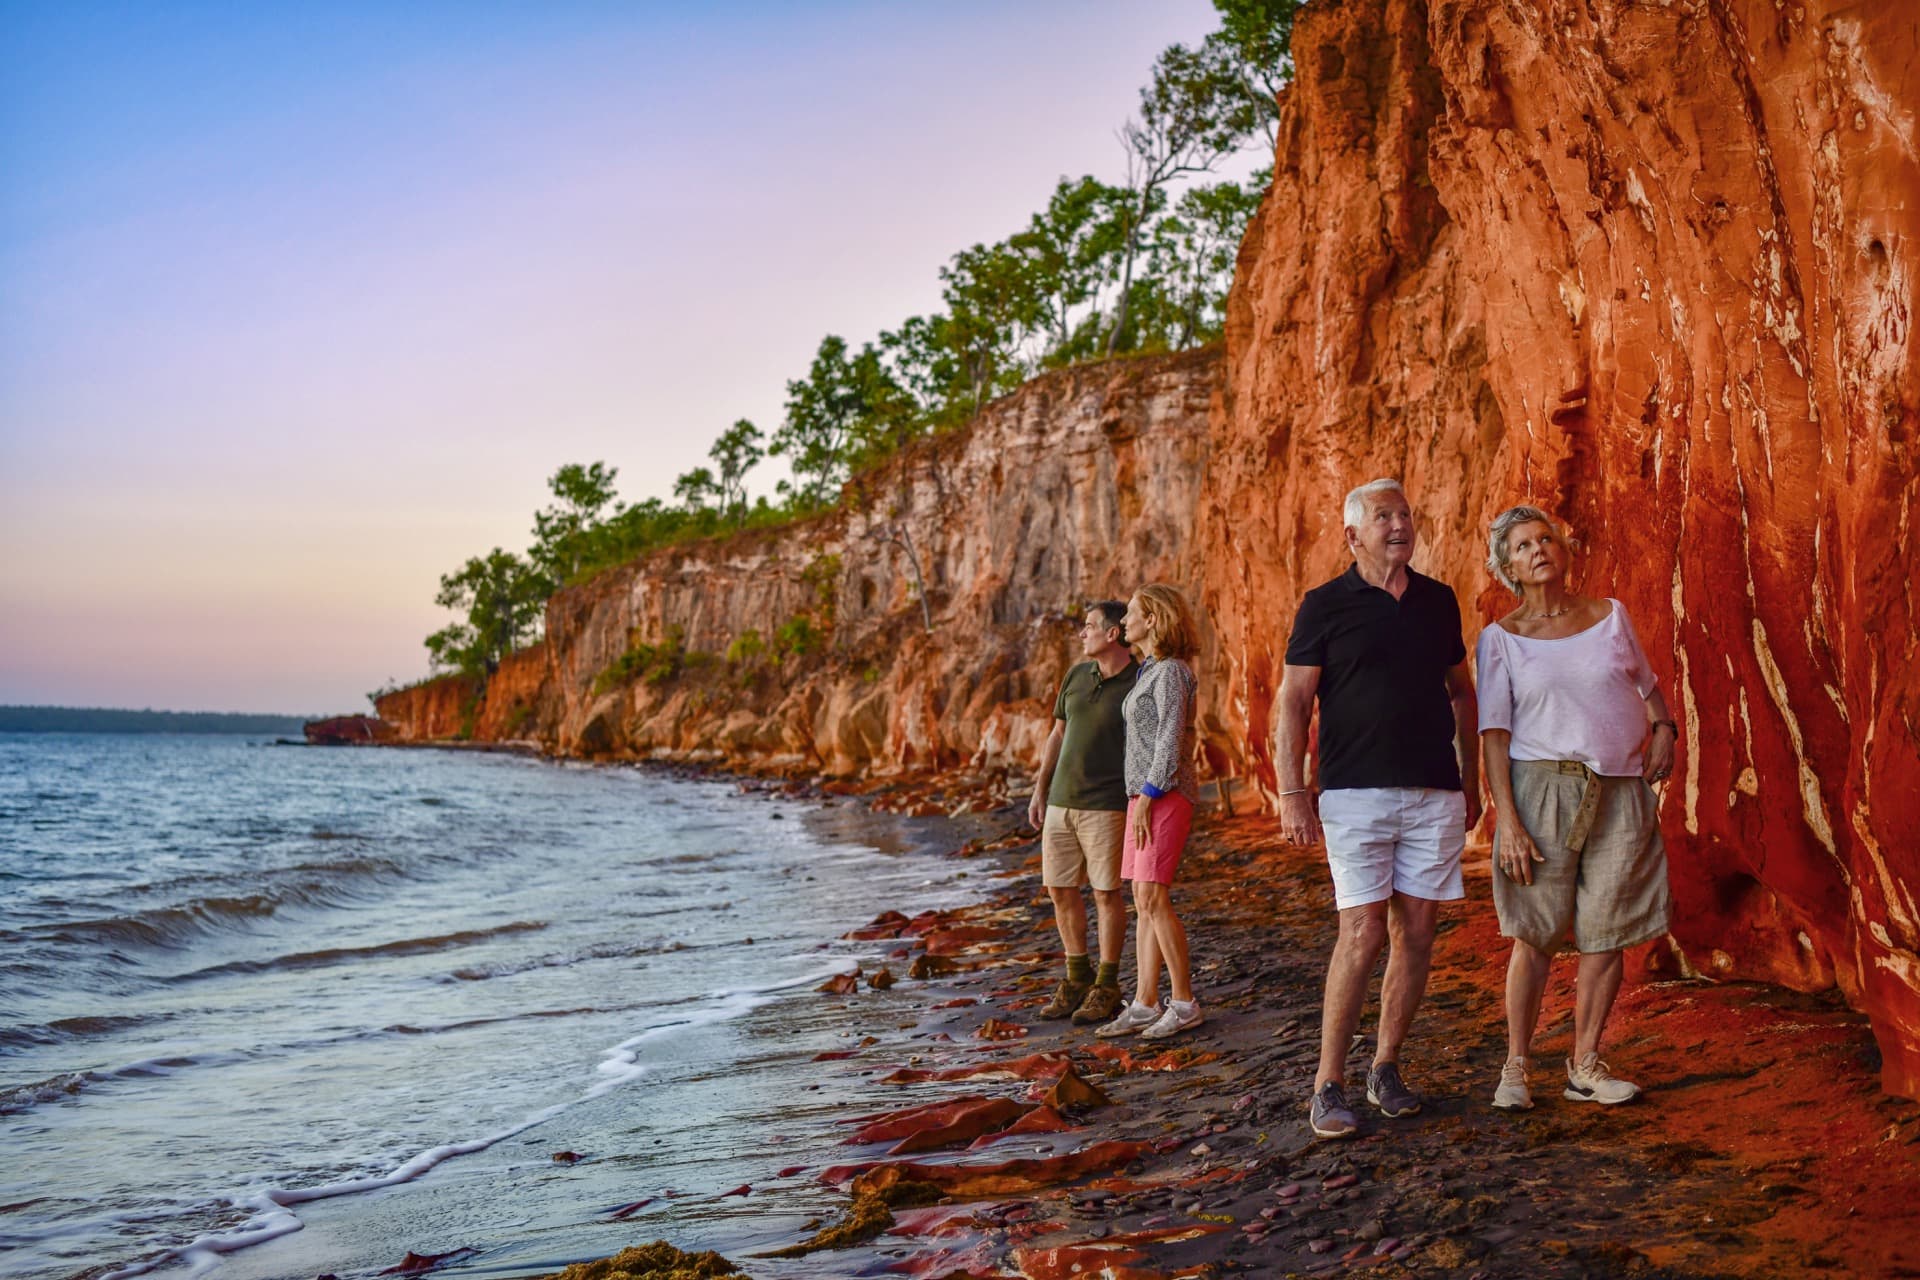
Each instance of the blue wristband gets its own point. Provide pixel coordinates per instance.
(1150, 791)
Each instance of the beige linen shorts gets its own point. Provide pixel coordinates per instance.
(1081, 846)
(1609, 892)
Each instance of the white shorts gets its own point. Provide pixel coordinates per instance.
(1387, 840)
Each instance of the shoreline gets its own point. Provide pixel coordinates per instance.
(1761, 1147)
(609, 1165)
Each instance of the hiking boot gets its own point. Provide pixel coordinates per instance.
(1101, 1003)
(1181, 1015)
(1513, 1094)
(1066, 998)
(1388, 1092)
(1589, 1080)
(1134, 1017)
(1329, 1113)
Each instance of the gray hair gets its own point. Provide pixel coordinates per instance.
(1499, 562)
(1355, 510)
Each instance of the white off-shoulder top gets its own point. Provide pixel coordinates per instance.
(1581, 697)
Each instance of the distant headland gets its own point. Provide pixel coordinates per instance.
(118, 720)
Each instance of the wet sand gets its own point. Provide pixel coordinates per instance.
(1761, 1147)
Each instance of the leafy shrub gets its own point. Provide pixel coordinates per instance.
(823, 575)
(747, 647)
(654, 663)
(797, 635)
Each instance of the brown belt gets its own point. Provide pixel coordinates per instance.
(1589, 800)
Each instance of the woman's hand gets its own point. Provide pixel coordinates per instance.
(1518, 853)
(1299, 823)
(1658, 765)
(1138, 826)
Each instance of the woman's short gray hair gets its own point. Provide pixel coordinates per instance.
(1499, 563)
(1354, 513)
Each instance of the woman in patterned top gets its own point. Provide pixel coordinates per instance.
(1160, 793)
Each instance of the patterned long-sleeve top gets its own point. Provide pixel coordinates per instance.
(1160, 730)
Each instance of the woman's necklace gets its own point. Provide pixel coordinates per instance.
(1564, 608)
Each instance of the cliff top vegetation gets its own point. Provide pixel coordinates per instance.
(1104, 269)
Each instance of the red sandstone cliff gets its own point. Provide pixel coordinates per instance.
(1650, 266)
(1079, 486)
(1646, 265)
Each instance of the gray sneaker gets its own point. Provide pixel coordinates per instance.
(1388, 1092)
(1181, 1015)
(1134, 1018)
(1589, 1080)
(1329, 1113)
(1512, 1093)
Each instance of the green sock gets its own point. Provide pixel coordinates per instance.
(1109, 975)
(1078, 970)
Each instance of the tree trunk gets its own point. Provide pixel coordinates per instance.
(1126, 272)
(903, 538)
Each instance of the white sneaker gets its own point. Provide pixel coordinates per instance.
(1589, 1080)
(1513, 1094)
(1181, 1015)
(1131, 1019)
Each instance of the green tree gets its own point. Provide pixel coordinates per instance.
(501, 597)
(991, 301)
(1257, 38)
(848, 410)
(696, 489)
(1068, 249)
(735, 453)
(925, 367)
(1195, 248)
(562, 532)
(1193, 114)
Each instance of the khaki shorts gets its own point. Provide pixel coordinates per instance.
(1081, 846)
(1608, 894)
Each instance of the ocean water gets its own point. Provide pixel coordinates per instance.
(274, 1011)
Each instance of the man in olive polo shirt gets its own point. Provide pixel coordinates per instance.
(1080, 806)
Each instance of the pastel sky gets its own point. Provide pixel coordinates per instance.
(300, 304)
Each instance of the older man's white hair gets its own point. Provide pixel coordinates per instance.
(1355, 512)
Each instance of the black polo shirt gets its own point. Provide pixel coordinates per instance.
(1385, 718)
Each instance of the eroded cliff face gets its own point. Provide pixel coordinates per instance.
(1080, 486)
(1651, 267)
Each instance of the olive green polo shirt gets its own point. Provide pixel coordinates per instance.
(1091, 773)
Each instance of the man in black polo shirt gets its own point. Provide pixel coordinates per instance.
(1380, 647)
(1080, 805)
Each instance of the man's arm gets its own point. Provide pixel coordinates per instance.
(1466, 736)
(1299, 821)
(1043, 777)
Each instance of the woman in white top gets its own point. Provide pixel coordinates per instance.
(1572, 732)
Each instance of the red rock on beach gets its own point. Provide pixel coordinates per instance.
(1111, 1257)
(1008, 1177)
(1042, 1119)
(943, 1124)
(958, 938)
(888, 924)
(419, 1263)
(995, 1029)
(1038, 1066)
(1071, 1091)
